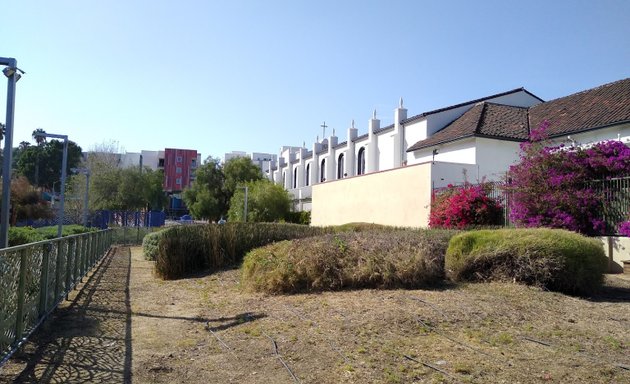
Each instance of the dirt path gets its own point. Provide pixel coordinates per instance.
(88, 339)
(204, 329)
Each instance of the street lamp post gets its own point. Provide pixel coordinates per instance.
(11, 72)
(86, 172)
(64, 165)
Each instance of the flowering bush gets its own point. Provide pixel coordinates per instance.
(624, 228)
(460, 207)
(548, 185)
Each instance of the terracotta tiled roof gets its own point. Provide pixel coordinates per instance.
(594, 108)
(424, 114)
(591, 109)
(483, 120)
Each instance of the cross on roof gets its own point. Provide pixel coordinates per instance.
(324, 126)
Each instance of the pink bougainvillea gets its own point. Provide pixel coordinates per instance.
(468, 205)
(549, 185)
(624, 228)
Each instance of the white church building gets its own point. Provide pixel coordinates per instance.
(387, 175)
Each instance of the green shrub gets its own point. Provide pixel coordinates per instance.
(187, 249)
(554, 259)
(299, 217)
(25, 235)
(50, 232)
(150, 244)
(374, 259)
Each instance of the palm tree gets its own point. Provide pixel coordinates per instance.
(2, 130)
(40, 139)
(24, 145)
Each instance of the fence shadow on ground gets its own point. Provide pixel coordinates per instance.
(88, 341)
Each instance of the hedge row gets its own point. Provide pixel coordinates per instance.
(25, 235)
(365, 259)
(555, 259)
(188, 249)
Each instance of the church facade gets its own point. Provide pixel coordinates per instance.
(387, 175)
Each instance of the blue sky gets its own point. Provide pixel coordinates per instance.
(218, 76)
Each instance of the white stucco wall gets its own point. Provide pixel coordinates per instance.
(399, 197)
(443, 174)
(461, 151)
(414, 133)
(386, 151)
(621, 131)
(617, 250)
(494, 157)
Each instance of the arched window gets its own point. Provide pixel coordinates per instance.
(361, 162)
(322, 171)
(295, 177)
(307, 175)
(340, 167)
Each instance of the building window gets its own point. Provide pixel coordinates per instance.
(284, 178)
(307, 175)
(340, 167)
(193, 163)
(178, 170)
(295, 177)
(322, 171)
(179, 159)
(178, 181)
(361, 162)
(160, 162)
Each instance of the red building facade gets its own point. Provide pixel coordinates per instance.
(179, 168)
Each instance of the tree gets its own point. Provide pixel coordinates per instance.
(26, 202)
(154, 192)
(206, 198)
(266, 202)
(239, 170)
(42, 164)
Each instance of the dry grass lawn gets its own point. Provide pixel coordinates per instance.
(204, 329)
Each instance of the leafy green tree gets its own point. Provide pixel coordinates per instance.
(239, 170)
(154, 193)
(205, 198)
(42, 164)
(266, 202)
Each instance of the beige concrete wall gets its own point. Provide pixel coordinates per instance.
(617, 249)
(399, 197)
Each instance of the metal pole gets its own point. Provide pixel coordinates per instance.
(8, 154)
(245, 205)
(64, 164)
(87, 194)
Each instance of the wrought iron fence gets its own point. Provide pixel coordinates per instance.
(36, 277)
(615, 195)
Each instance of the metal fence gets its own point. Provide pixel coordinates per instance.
(614, 195)
(36, 277)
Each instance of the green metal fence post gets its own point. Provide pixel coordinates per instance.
(58, 270)
(77, 260)
(83, 256)
(19, 313)
(94, 250)
(69, 257)
(43, 286)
